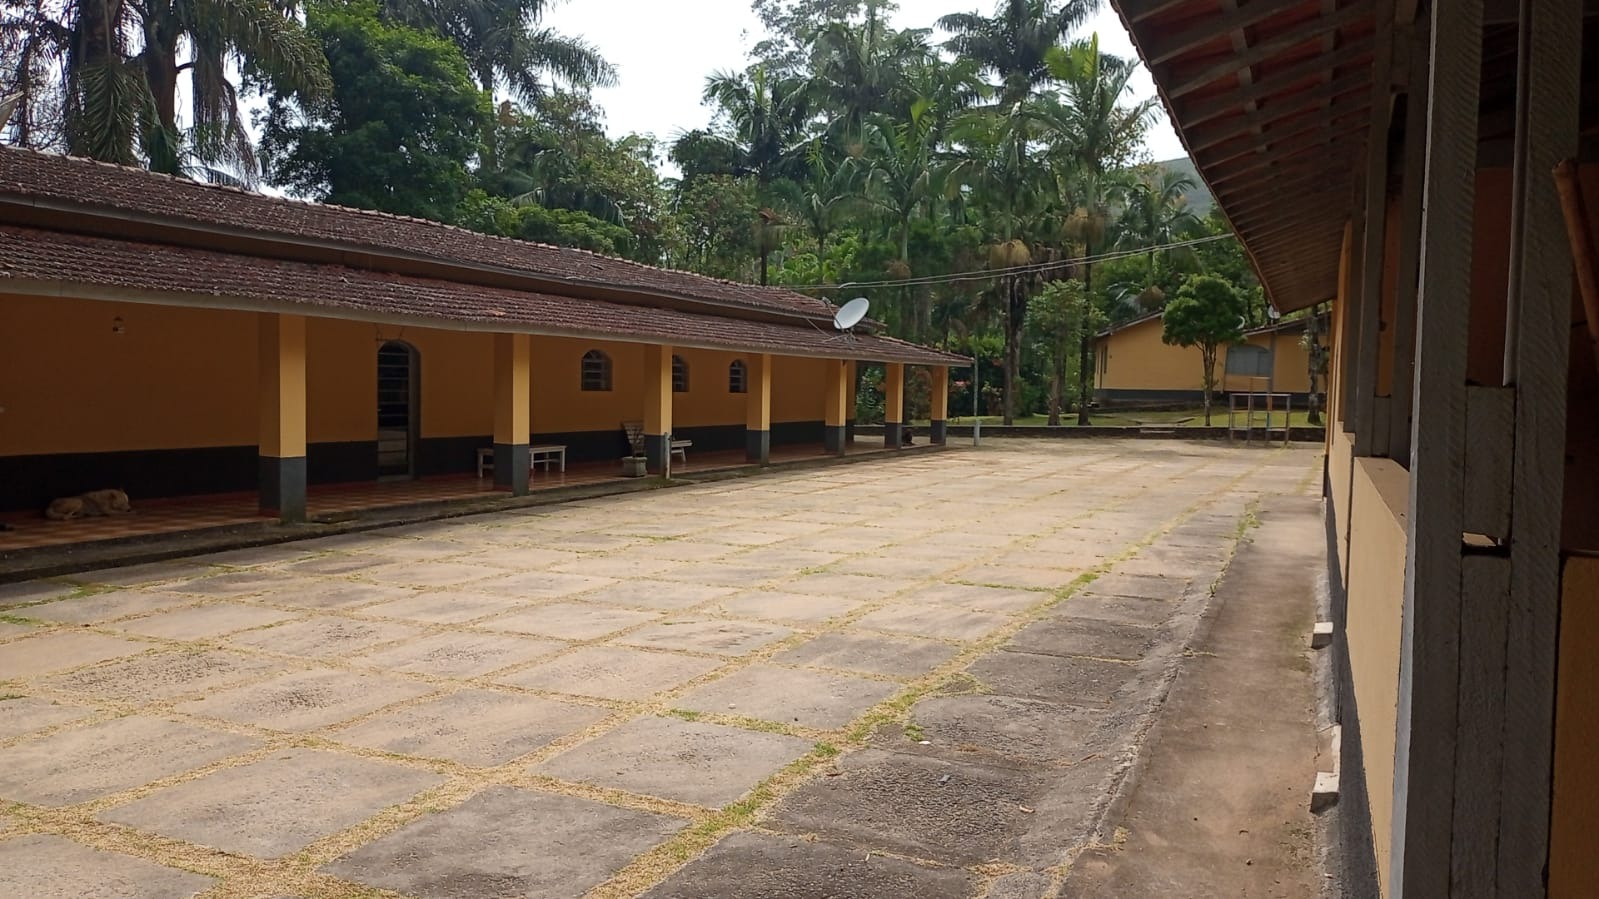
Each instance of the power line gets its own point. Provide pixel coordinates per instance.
(986, 274)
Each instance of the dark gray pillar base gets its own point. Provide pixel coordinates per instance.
(833, 438)
(658, 450)
(758, 446)
(849, 433)
(282, 488)
(511, 467)
(894, 434)
(938, 433)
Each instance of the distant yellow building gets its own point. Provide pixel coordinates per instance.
(1134, 367)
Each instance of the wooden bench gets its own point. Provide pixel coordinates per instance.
(546, 453)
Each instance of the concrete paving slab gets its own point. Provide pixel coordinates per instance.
(442, 606)
(336, 563)
(682, 550)
(276, 806)
(569, 620)
(460, 654)
(325, 637)
(828, 583)
(99, 607)
(1141, 585)
(709, 635)
(980, 599)
(26, 714)
(753, 865)
(531, 585)
(332, 595)
(1007, 575)
(789, 696)
(1074, 636)
(593, 542)
(257, 556)
(612, 672)
(507, 842)
(227, 584)
(655, 594)
(782, 558)
(419, 551)
(164, 675)
(615, 565)
(18, 629)
(965, 814)
(1131, 610)
(138, 575)
(1069, 680)
(800, 608)
(723, 574)
(427, 574)
(34, 591)
(903, 657)
(481, 728)
(306, 700)
(932, 620)
(520, 558)
(202, 622)
(60, 650)
(688, 761)
(1001, 730)
(889, 565)
(84, 763)
(46, 866)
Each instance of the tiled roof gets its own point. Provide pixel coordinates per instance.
(35, 260)
(95, 187)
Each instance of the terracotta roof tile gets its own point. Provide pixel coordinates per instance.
(100, 266)
(95, 186)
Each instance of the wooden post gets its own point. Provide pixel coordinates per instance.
(513, 411)
(1405, 287)
(281, 442)
(1429, 664)
(1550, 84)
(1374, 235)
(938, 427)
(893, 404)
(834, 406)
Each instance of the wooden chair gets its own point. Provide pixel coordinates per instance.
(635, 440)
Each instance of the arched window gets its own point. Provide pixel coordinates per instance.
(738, 377)
(596, 371)
(679, 375)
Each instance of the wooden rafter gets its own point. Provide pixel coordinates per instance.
(1264, 87)
(1276, 109)
(1262, 50)
(1164, 48)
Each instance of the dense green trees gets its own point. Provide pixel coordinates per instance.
(984, 183)
(1207, 313)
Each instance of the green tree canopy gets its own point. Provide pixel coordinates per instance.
(1207, 313)
(397, 131)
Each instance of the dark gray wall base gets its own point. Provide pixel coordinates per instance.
(511, 467)
(833, 437)
(657, 448)
(712, 438)
(894, 434)
(31, 482)
(789, 432)
(283, 488)
(758, 447)
(449, 455)
(1176, 399)
(938, 432)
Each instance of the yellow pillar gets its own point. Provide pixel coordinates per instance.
(836, 405)
(513, 410)
(938, 429)
(281, 358)
(851, 380)
(658, 406)
(758, 409)
(893, 404)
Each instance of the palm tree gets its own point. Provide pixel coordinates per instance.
(903, 178)
(1156, 213)
(862, 70)
(118, 70)
(764, 138)
(1014, 44)
(504, 44)
(824, 196)
(1093, 136)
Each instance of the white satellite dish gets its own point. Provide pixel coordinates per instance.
(850, 314)
(1272, 313)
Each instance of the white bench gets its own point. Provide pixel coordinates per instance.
(680, 449)
(546, 453)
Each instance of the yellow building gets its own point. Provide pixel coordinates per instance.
(1415, 164)
(174, 339)
(1134, 367)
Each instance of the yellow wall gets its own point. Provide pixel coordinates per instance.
(708, 401)
(174, 378)
(1340, 456)
(456, 369)
(1376, 589)
(559, 403)
(1574, 830)
(341, 375)
(799, 388)
(1139, 360)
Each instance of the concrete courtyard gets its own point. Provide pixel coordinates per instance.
(920, 677)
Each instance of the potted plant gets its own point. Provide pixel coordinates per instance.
(635, 466)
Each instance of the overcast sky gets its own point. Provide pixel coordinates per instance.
(663, 51)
